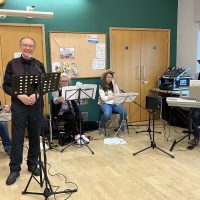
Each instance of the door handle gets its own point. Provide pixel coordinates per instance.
(138, 73)
(143, 69)
(145, 82)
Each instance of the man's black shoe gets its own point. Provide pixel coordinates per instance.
(12, 178)
(34, 170)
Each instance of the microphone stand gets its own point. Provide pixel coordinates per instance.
(149, 124)
(152, 141)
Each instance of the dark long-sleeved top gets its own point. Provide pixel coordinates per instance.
(19, 66)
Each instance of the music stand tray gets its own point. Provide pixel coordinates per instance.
(29, 84)
(78, 93)
(125, 98)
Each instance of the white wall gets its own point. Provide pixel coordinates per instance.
(187, 35)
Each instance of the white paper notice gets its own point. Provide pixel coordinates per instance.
(98, 63)
(92, 38)
(100, 50)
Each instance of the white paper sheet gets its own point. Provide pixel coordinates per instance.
(88, 91)
(115, 140)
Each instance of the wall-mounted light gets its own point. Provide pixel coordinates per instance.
(26, 13)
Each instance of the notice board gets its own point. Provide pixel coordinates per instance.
(78, 54)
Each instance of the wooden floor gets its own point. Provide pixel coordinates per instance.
(113, 173)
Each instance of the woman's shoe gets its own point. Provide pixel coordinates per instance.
(85, 138)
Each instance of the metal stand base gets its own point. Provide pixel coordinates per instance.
(153, 143)
(153, 146)
(122, 128)
(48, 191)
(82, 143)
(149, 127)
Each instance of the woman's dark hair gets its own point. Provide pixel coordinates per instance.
(104, 85)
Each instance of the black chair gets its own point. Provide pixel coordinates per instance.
(56, 123)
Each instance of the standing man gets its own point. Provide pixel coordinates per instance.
(25, 112)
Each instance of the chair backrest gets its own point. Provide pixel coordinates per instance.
(55, 108)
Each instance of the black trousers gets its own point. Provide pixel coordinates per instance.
(21, 120)
(196, 122)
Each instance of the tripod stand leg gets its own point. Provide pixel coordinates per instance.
(89, 148)
(141, 150)
(164, 152)
(68, 145)
(122, 128)
(176, 142)
(48, 191)
(84, 143)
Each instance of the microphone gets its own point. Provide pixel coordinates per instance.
(121, 90)
(60, 92)
(38, 68)
(33, 60)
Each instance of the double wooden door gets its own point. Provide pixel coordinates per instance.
(10, 35)
(138, 58)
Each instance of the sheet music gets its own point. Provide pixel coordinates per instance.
(125, 97)
(4, 117)
(88, 91)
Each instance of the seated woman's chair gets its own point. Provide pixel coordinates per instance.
(112, 123)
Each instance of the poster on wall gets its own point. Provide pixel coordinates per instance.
(67, 53)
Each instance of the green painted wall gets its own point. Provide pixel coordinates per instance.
(98, 16)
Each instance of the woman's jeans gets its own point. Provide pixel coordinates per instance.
(108, 109)
(5, 135)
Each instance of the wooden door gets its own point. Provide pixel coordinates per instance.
(10, 35)
(139, 57)
(154, 61)
(125, 62)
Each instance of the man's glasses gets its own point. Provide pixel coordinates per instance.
(28, 45)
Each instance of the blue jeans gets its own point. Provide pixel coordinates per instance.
(5, 136)
(108, 109)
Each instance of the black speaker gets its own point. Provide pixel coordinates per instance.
(153, 102)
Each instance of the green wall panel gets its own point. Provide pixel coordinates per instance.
(98, 16)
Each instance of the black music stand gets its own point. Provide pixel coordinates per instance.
(79, 93)
(149, 127)
(152, 139)
(38, 85)
(121, 99)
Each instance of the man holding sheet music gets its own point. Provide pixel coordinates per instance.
(107, 92)
(24, 110)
